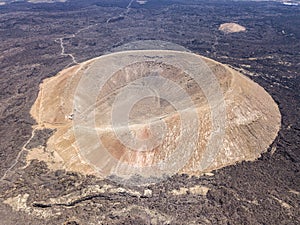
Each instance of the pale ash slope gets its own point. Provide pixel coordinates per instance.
(252, 118)
(231, 28)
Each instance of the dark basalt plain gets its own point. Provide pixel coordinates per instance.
(247, 193)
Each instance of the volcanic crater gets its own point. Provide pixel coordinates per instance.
(153, 131)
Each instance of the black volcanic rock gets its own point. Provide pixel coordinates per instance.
(262, 192)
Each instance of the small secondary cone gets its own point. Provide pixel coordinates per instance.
(154, 126)
(231, 28)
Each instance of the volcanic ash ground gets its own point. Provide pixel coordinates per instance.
(152, 113)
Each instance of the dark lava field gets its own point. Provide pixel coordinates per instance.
(38, 40)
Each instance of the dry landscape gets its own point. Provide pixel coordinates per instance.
(47, 51)
(250, 113)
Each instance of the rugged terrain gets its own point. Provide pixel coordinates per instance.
(39, 40)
